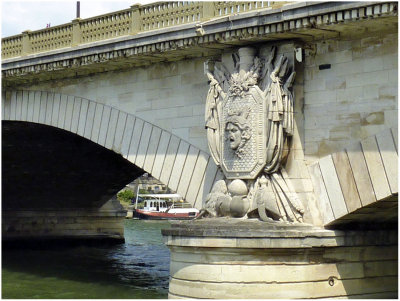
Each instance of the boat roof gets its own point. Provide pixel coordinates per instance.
(161, 196)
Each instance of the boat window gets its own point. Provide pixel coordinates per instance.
(151, 204)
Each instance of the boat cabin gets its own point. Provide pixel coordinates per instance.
(165, 206)
(155, 205)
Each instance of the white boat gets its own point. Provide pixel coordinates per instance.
(156, 207)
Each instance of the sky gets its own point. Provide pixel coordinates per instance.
(18, 16)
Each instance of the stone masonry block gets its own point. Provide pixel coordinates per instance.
(188, 170)
(169, 159)
(135, 140)
(350, 94)
(105, 118)
(36, 107)
(333, 188)
(152, 149)
(351, 67)
(206, 183)
(143, 144)
(319, 97)
(314, 85)
(160, 154)
(361, 79)
(373, 64)
(375, 168)
(198, 174)
(68, 113)
(346, 180)
(112, 125)
(75, 114)
(177, 167)
(389, 157)
(91, 110)
(119, 132)
(18, 109)
(62, 111)
(321, 194)
(391, 118)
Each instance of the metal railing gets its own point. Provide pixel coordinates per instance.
(138, 18)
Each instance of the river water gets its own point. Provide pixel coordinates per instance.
(138, 269)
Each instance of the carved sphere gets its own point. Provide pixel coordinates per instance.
(237, 187)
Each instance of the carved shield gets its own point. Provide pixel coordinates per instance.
(246, 114)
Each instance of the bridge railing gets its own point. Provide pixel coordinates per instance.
(136, 19)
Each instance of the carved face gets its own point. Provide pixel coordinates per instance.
(234, 135)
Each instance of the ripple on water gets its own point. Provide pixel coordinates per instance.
(137, 269)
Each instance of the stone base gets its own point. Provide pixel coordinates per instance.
(231, 259)
(129, 214)
(104, 224)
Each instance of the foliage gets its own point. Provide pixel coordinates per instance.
(125, 196)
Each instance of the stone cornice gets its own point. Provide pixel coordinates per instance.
(303, 21)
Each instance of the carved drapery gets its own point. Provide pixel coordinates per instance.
(249, 120)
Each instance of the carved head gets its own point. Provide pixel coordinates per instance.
(238, 131)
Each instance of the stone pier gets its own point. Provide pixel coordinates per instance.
(105, 224)
(231, 259)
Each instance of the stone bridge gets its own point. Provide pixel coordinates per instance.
(180, 165)
(138, 89)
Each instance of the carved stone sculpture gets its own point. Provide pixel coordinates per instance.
(249, 119)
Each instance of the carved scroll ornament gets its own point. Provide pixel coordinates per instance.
(249, 119)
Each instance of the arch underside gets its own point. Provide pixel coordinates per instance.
(51, 169)
(181, 166)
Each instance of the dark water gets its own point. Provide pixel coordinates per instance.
(137, 269)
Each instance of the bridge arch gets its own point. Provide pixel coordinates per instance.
(359, 183)
(175, 162)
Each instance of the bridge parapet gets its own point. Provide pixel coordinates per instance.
(108, 46)
(136, 19)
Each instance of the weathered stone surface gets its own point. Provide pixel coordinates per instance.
(105, 119)
(375, 168)
(389, 157)
(346, 180)
(333, 187)
(206, 183)
(197, 176)
(161, 153)
(135, 140)
(119, 132)
(169, 159)
(209, 261)
(360, 172)
(178, 165)
(321, 194)
(188, 169)
(152, 148)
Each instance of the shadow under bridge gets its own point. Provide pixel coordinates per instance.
(63, 152)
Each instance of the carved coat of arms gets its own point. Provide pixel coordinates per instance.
(249, 120)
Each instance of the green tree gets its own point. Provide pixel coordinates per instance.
(125, 196)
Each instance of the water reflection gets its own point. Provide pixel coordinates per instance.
(137, 269)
